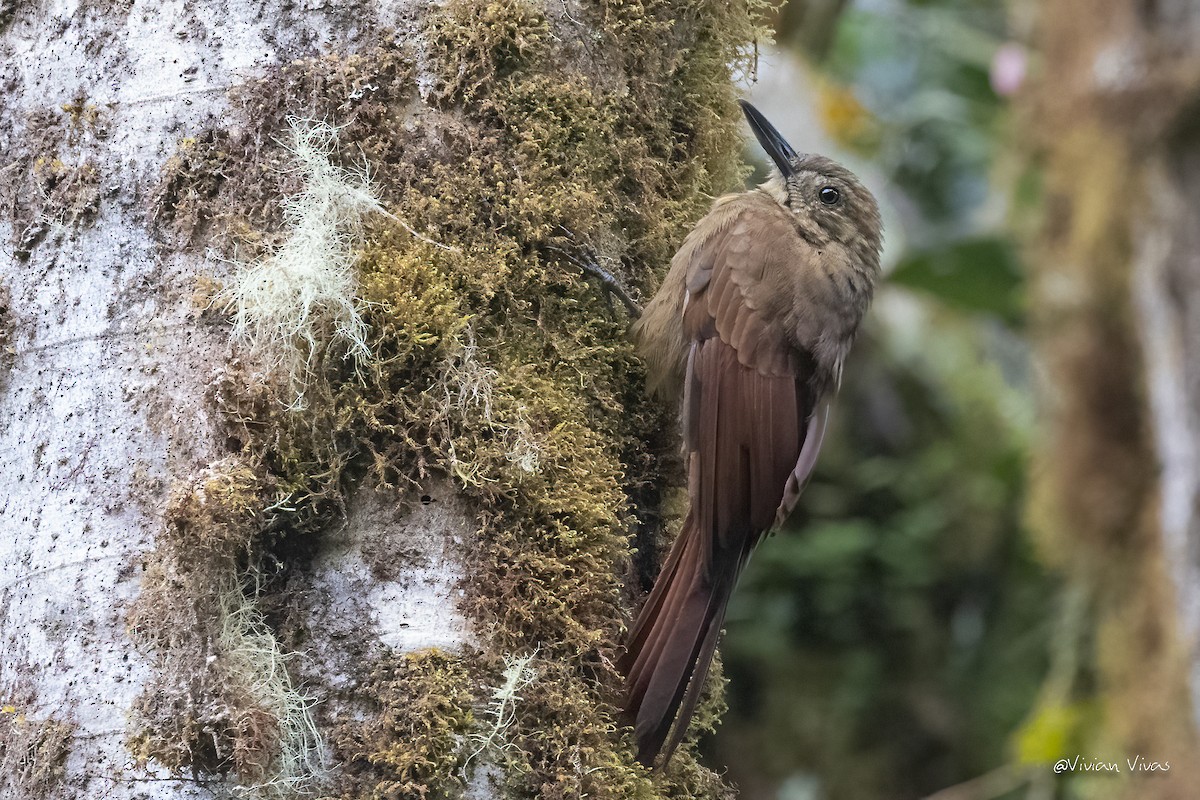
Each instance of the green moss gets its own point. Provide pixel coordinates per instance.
(492, 360)
(472, 44)
(564, 749)
(413, 741)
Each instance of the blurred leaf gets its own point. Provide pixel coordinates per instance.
(1050, 733)
(834, 546)
(978, 275)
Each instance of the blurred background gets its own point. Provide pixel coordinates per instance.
(936, 623)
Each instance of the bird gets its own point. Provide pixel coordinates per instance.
(748, 332)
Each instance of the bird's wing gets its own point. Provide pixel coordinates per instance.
(748, 405)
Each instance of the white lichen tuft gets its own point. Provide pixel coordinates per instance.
(501, 709)
(255, 663)
(469, 383)
(524, 448)
(299, 301)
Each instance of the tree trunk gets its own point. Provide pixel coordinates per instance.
(374, 543)
(1115, 303)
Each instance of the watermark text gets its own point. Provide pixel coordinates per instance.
(1125, 766)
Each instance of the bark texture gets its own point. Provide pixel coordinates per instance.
(1115, 315)
(398, 571)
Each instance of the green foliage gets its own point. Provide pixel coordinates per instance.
(923, 73)
(976, 275)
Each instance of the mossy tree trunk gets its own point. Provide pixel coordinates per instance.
(376, 545)
(1116, 311)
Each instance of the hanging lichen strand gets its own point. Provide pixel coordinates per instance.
(501, 137)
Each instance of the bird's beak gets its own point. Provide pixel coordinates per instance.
(776, 146)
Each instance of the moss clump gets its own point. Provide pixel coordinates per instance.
(472, 45)
(492, 360)
(186, 717)
(558, 747)
(413, 740)
(220, 700)
(70, 192)
(192, 177)
(556, 523)
(47, 183)
(563, 747)
(217, 516)
(225, 188)
(33, 753)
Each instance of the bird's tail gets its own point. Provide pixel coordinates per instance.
(672, 643)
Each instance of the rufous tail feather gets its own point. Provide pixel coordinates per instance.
(672, 643)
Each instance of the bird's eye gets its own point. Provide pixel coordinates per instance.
(829, 195)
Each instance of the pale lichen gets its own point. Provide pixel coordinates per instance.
(299, 301)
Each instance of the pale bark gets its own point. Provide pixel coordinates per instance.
(1167, 287)
(105, 392)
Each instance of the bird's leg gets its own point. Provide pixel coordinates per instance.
(609, 283)
(586, 260)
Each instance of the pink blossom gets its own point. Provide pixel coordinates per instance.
(1009, 66)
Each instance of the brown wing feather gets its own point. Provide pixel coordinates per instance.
(747, 405)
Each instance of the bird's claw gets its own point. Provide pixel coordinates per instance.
(585, 258)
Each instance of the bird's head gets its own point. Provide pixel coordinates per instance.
(821, 193)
